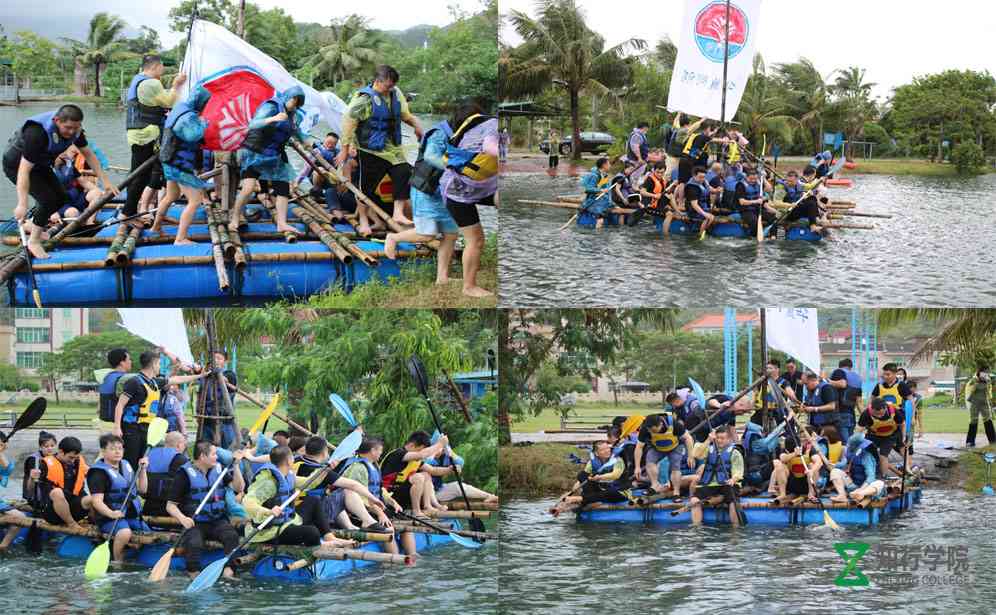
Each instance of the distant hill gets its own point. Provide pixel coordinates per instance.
(411, 38)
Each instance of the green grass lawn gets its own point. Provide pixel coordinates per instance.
(936, 419)
(246, 414)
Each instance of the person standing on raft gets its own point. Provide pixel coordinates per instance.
(372, 125)
(146, 104)
(28, 162)
(181, 157)
(263, 157)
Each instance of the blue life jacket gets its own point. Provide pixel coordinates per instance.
(854, 466)
(718, 466)
(173, 150)
(319, 490)
(271, 139)
(752, 190)
(167, 410)
(816, 398)
(285, 488)
(644, 145)
(214, 509)
(139, 115)
(793, 193)
(160, 478)
(756, 460)
(384, 122)
(56, 144)
(114, 497)
(849, 397)
(629, 440)
(208, 157)
(328, 154)
(109, 396)
(703, 197)
(599, 467)
(373, 475)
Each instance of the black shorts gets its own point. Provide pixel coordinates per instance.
(276, 188)
(797, 485)
(465, 214)
(45, 188)
(885, 444)
(705, 492)
(75, 509)
(373, 169)
(685, 167)
(402, 494)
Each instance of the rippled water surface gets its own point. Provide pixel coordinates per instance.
(937, 250)
(561, 566)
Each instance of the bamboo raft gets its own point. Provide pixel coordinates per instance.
(124, 266)
(759, 511)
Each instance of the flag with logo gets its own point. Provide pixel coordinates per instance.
(697, 79)
(796, 332)
(240, 78)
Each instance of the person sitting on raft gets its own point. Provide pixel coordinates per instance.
(439, 467)
(808, 208)
(263, 158)
(400, 473)
(697, 201)
(884, 425)
(722, 473)
(165, 462)
(29, 483)
(363, 469)
(790, 473)
(59, 485)
(661, 435)
(596, 186)
(328, 149)
(751, 201)
(79, 191)
(821, 163)
(824, 451)
(182, 158)
(602, 480)
(293, 524)
(651, 191)
(188, 489)
(108, 480)
(338, 497)
(856, 475)
(6, 467)
(760, 452)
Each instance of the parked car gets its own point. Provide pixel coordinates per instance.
(591, 143)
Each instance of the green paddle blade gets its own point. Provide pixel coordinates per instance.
(96, 564)
(157, 431)
(208, 577)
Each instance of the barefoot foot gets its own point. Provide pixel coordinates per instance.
(476, 291)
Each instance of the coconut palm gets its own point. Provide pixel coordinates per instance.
(851, 82)
(348, 47)
(762, 109)
(104, 43)
(962, 330)
(666, 52)
(807, 94)
(561, 50)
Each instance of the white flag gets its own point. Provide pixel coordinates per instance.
(213, 48)
(697, 80)
(162, 326)
(796, 332)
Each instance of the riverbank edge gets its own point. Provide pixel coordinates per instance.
(543, 470)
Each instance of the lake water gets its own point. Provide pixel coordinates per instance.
(935, 251)
(561, 566)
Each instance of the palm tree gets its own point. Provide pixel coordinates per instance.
(349, 47)
(762, 108)
(855, 99)
(561, 50)
(808, 95)
(963, 330)
(103, 43)
(666, 52)
(851, 82)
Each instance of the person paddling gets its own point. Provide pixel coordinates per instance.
(108, 481)
(29, 159)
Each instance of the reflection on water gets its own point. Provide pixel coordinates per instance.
(936, 250)
(561, 566)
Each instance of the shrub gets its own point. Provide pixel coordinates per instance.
(968, 158)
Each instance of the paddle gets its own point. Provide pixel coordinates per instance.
(210, 575)
(463, 541)
(264, 415)
(161, 569)
(908, 408)
(806, 195)
(417, 371)
(29, 417)
(31, 272)
(100, 558)
(735, 399)
(989, 458)
(343, 409)
(782, 404)
(92, 230)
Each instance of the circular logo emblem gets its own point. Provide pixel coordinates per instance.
(710, 30)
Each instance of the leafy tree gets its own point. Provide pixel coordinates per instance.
(10, 377)
(968, 158)
(146, 42)
(348, 48)
(215, 11)
(82, 355)
(561, 50)
(273, 32)
(33, 55)
(103, 44)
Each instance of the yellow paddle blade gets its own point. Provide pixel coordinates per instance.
(264, 415)
(96, 564)
(827, 520)
(161, 569)
(632, 424)
(157, 431)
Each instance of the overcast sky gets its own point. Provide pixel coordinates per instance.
(65, 18)
(894, 41)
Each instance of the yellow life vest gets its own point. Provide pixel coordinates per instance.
(885, 426)
(665, 441)
(151, 397)
(408, 470)
(481, 166)
(796, 466)
(733, 153)
(688, 143)
(890, 394)
(836, 451)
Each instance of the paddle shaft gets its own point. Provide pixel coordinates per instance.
(415, 519)
(124, 505)
(112, 222)
(453, 466)
(276, 414)
(737, 398)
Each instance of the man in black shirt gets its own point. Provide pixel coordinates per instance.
(29, 159)
(793, 376)
(214, 404)
(400, 469)
(751, 202)
(60, 479)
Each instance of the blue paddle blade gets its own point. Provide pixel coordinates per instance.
(463, 541)
(699, 393)
(989, 457)
(347, 448)
(208, 577)
(343, 408)
(988, 490)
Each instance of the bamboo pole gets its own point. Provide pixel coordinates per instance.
(115, 247)
(128, 248)
(164, 239)
(475, 505)
(261, 405)
(137, 540)
(328, 232)
(357, 535)
(746, 505)
(370, 556)
(572, 206)
(460, 514)
(327, 239)
(218, 258)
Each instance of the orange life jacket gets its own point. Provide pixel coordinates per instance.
(55, 475)
(658, 188)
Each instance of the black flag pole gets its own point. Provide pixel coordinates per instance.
(726, 65)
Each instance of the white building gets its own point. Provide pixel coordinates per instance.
(28, 334)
